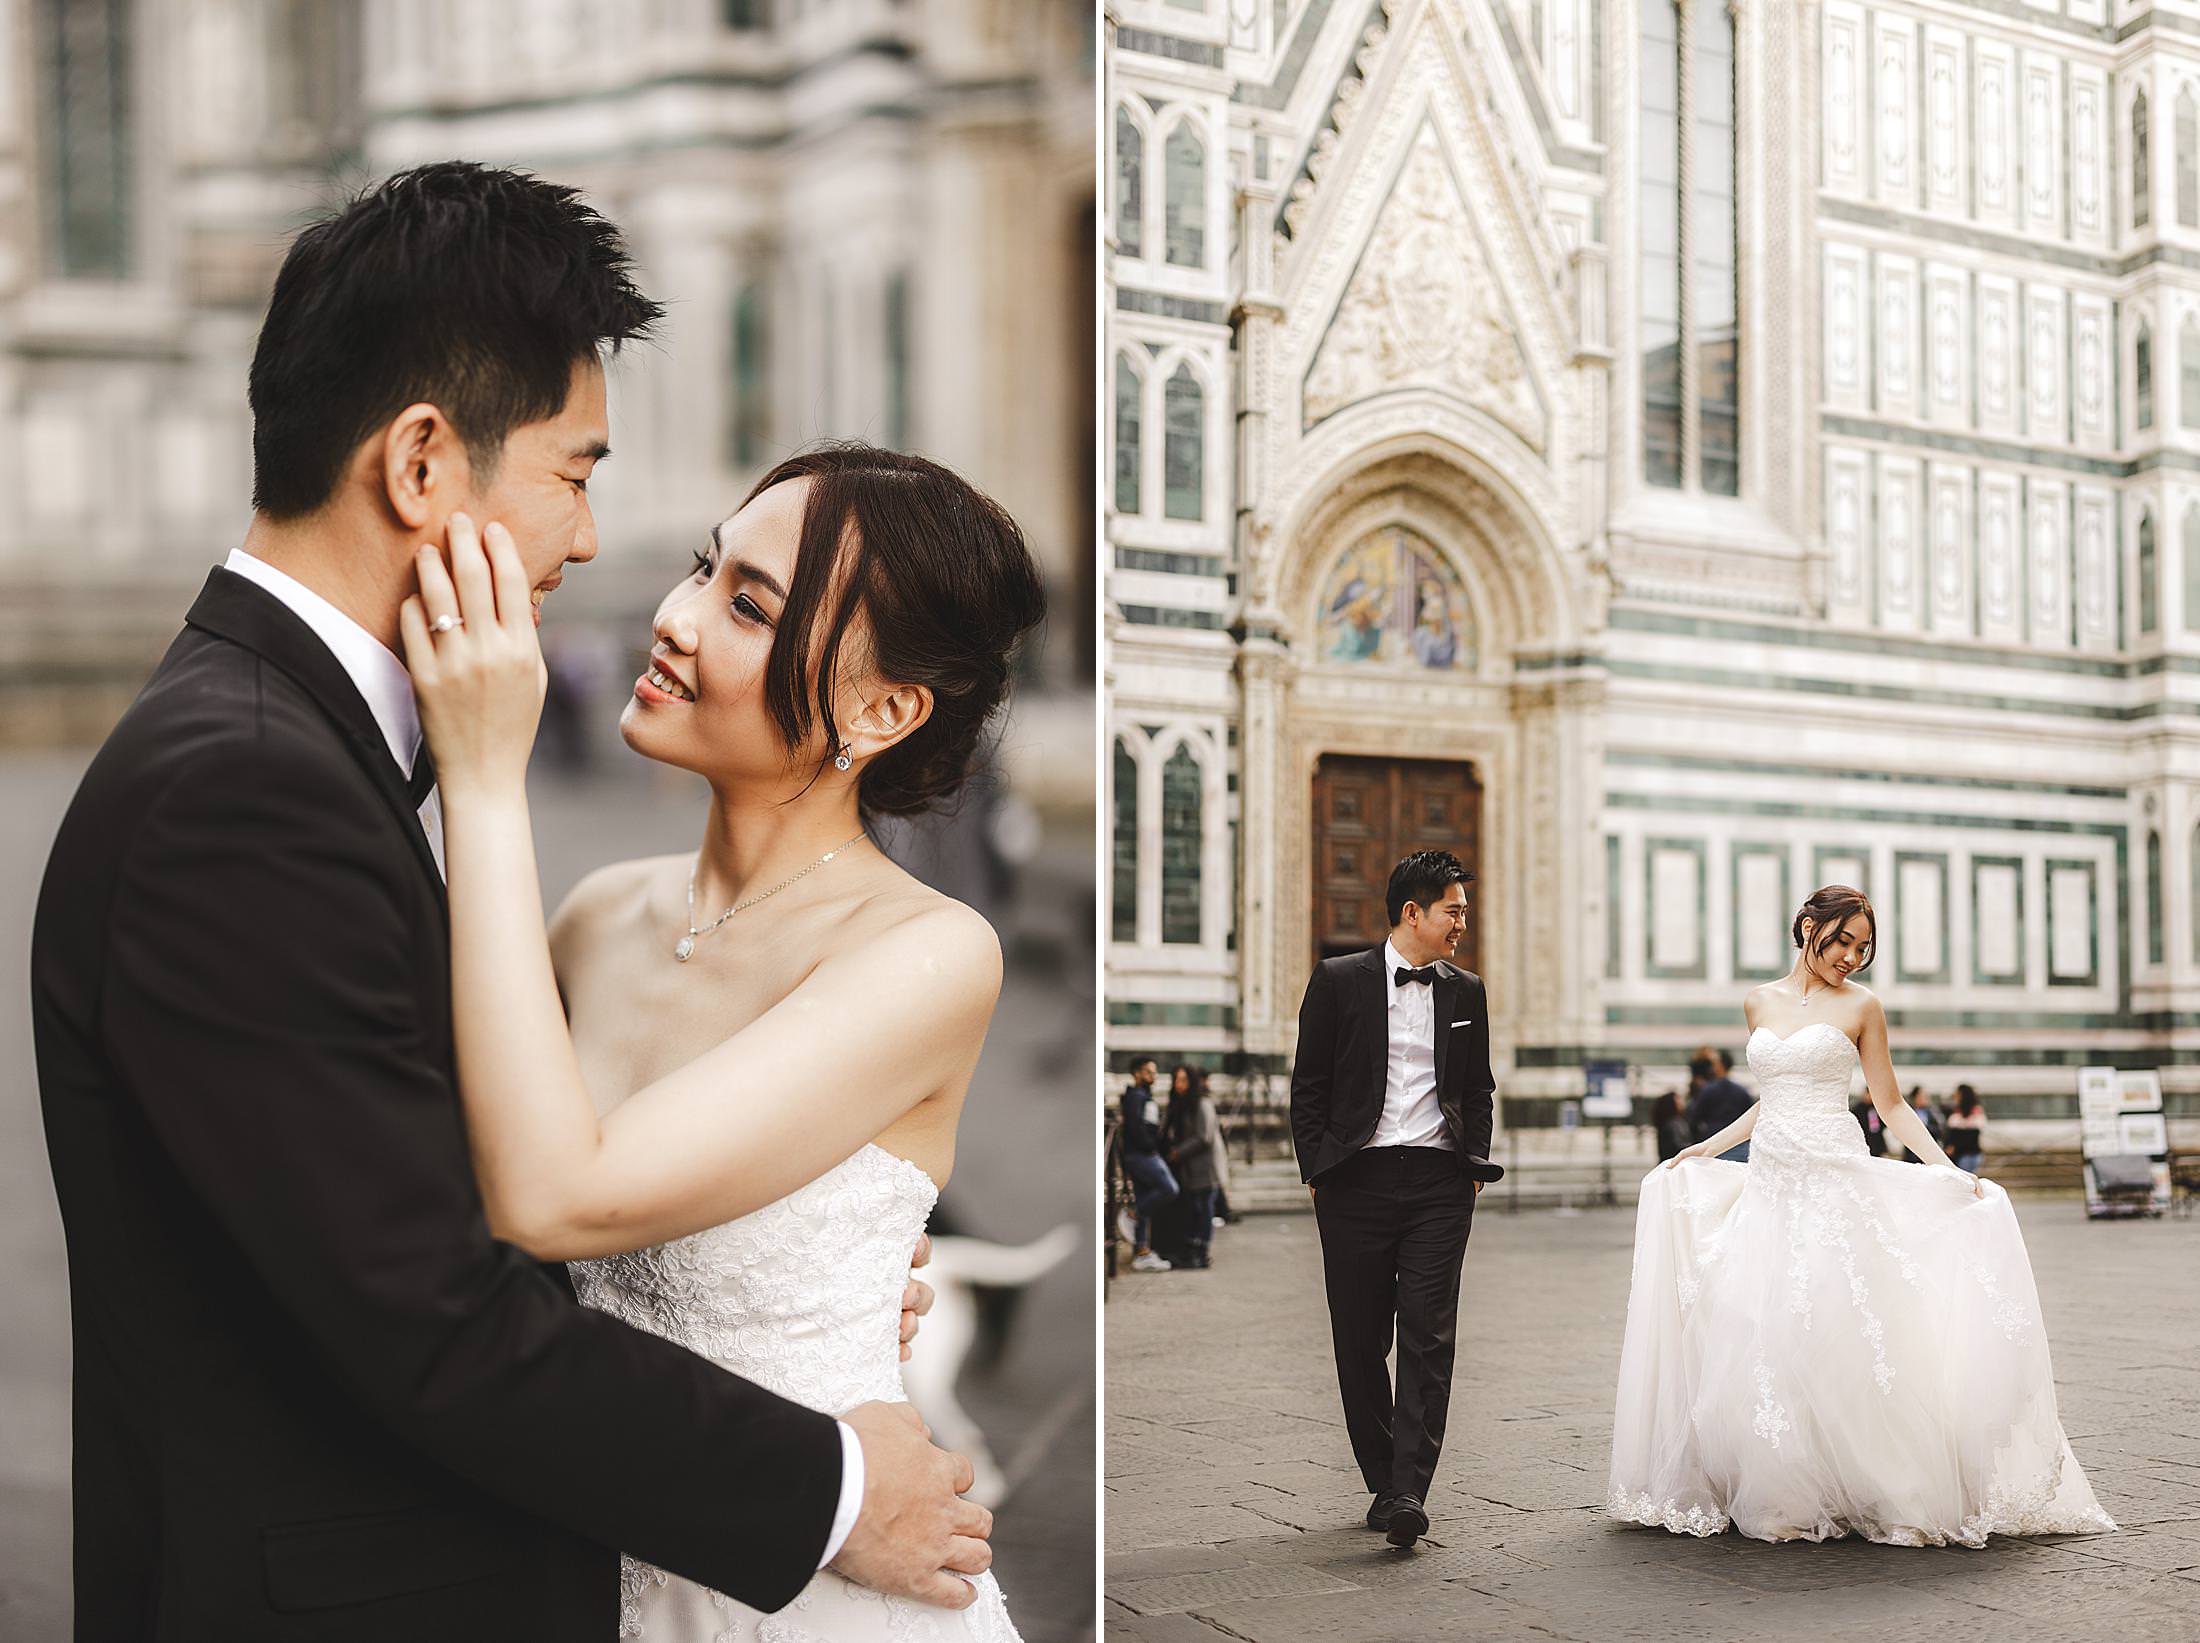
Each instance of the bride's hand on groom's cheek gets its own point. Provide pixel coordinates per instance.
(476, 663)
(915, 1536)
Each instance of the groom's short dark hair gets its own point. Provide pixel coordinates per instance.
(1422, 878)
(473, 289)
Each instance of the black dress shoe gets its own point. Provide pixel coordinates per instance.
(1408, 1522)
(1378, 1511)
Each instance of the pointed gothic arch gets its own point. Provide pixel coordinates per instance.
(1184, 194)
(1127, 177)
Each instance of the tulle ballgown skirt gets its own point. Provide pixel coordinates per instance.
(1823, 1343)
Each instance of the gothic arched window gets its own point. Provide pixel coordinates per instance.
(2142, 376)
(1659, 321)
(85, 68)
(1184, 197)
(1127, 445)
(1690, 304)
(897, 360)
(1130, 185)
(2188, 373)
(2154, 897)
(2188, 161)
(1123, 854)
(2141, 212)
(1183, 436)
(2195, 885)
(752, 390)
(2150, 587)
(2191, 550)
(1181, 840)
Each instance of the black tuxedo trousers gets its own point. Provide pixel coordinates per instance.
(314, 1398)
(1394, 1224)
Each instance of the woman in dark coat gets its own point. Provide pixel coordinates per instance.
(1669, 1117)
(1966, 1130)
(1191, 1141)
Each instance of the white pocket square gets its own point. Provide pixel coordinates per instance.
(1467, 1022)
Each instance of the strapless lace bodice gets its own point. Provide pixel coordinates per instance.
(803, 1296)
(1803, 1081)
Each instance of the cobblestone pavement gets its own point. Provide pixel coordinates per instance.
(1233, 1510)
(1025, 1158)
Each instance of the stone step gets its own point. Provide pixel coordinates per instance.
(1271, 1185)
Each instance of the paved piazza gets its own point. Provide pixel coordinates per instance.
(1233, 1509)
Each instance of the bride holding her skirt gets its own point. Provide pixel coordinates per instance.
(1822, 1343)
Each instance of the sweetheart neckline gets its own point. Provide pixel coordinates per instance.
(925, 1175)
(1798, 1033)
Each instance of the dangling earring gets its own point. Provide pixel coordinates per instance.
(842, 760)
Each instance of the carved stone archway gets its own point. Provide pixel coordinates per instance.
(1524, 713)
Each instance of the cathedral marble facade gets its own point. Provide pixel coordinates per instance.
(1685, 453)
(867, 218)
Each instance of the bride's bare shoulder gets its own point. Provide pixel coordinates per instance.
(915, 923)
(612, 892)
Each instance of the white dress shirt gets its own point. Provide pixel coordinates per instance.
(381, 678)
(1411, 1116)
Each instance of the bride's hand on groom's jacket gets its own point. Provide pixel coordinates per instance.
(476, 663)
(915, 1536)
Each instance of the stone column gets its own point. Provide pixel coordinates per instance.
(1263, 661)
(1590, 268)
(1256, 317)
(1263, 752)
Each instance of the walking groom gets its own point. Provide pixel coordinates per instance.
(1391, 1109)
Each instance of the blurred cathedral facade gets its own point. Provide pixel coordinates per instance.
(867, 218)
(1675, 453)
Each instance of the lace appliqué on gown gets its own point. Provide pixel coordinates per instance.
(802, 1297)
(1823, 1343)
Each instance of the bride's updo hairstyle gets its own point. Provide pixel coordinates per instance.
(945, 587)
(1830, 908)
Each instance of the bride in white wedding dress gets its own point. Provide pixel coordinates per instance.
(1823, 1343)
(737, 1141)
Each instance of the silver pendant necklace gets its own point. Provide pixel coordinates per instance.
(684, 948)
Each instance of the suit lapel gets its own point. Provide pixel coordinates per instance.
(1378, 1007)
(1446, 998)
(233, 608)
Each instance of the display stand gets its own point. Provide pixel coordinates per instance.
(1607, 1098)
(2124, 1140)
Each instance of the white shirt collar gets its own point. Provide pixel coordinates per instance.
(1392, 964)
(370, 664)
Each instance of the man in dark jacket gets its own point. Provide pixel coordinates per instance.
(1718, 1101)
(1392, 1105)
(1153, 1184)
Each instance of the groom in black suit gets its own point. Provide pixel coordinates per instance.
(1391, 1109)
(314, 1398)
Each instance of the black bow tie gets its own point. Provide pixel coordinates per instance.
(423, 776)
(1426, 977)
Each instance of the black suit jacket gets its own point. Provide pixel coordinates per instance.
(314, 1397)
(1717, 1105)
(1343, 1060)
